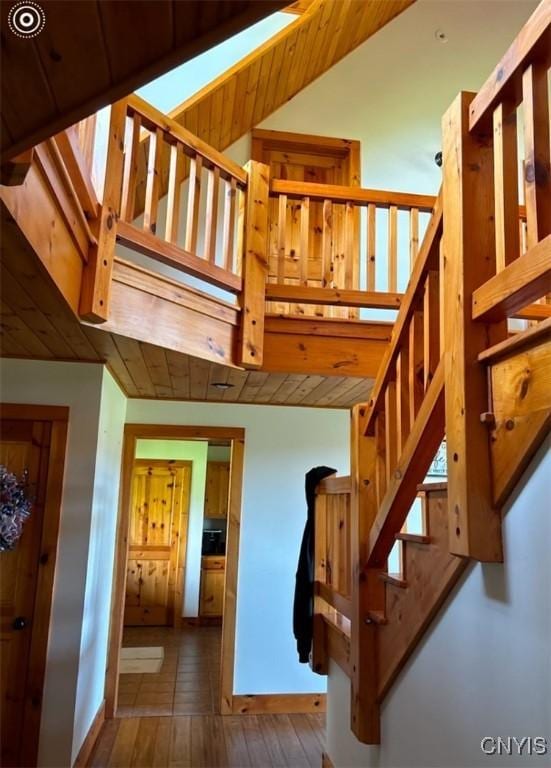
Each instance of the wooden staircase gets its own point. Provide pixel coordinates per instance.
(429, 572)
(454, 369)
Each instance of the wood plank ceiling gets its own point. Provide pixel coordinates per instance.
(36, 323)
(91, 53)
(237, 101)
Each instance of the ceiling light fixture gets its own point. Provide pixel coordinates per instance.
(222, 385)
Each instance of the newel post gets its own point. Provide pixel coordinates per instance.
(469, 260)
(96, 277)
(255, 266)
(367, 588)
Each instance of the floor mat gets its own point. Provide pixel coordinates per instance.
(141, 660)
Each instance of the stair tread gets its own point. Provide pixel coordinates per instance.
(416, 538)
(395, 579)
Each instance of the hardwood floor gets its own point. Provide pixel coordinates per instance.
(211, 741)
(169, 720)
(188, 681)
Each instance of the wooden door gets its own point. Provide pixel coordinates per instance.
(217, 489)
(159, 517)
(322, 160)
(26, 581)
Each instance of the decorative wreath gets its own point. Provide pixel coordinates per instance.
(15, 507)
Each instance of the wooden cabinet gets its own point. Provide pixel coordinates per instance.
(217, 487)
(213, 574)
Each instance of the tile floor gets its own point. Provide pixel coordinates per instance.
(188, 682)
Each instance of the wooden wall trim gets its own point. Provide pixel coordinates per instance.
(326, 761)
(133, 432)
(278, 703)
(91, 737)
(58, 417)
(178, 432)
(230, 585)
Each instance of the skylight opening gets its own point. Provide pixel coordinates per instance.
(174, 87)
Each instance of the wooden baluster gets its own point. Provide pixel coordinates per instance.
(402, 396)
(350, 244)
(431, 335)
(392, 249)
(320, 657)
(132, 147)
(229, 224)
(194, 199)
(413, 236)
(371, 245)
(240, 245)
(537, 172)
(416, 366)
(153, 183)
(211, 214)
(281, 238)
(506, 185)
(175, 179)
(304, 239)
(380, 464)
(391, 432)
(327, 244)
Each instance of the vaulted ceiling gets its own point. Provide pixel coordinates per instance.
(229, 107)
(91, 53)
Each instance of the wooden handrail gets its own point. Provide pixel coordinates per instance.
(332, 597)
(334, 484)
(426, 261)
(153, 119)
(356, 195)
(505, 83)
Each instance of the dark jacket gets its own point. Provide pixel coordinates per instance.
(303, 608)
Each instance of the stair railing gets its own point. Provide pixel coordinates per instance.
(487, 277)
(202, 182)
(332, 573)
(328, 244)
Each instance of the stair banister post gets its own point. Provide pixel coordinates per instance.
(95, 289)
(367, 588)
(255, 266)
(469, 260)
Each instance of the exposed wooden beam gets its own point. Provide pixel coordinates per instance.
(325, 347)
(100, 56)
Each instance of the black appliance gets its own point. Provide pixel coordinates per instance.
(213, 542)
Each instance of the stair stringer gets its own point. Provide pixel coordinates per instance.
(430, 572)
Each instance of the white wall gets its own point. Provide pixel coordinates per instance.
(281, 445)
(99, 576)
(196, 452)
(82, 589)
(483, 669)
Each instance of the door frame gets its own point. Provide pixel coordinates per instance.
(132, 433)
(325, 146)
(58, 418)
(177, 593)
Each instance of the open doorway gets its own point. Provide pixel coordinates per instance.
(173, 618)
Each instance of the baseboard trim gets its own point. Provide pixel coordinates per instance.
(326, 761)
(278, 703)
(203, 621)
(90, 739)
